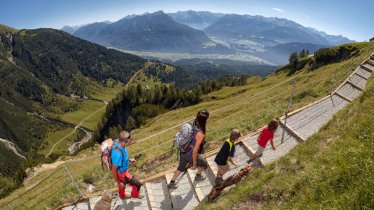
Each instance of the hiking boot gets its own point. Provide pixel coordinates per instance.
(199, 177)
(139, 197)
(218, 180)
(126, 197)
(172, 185)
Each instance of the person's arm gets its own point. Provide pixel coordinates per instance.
(199, 139)
(232, 161)
(272, 144)
(231, 156)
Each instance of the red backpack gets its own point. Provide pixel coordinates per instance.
(106, 151)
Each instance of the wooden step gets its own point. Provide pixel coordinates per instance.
(203, 187)
(367, 67)
(184, 196)
(308, 121)
(158, 194)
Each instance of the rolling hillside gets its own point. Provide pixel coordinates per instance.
(50, 83)
(247, 108)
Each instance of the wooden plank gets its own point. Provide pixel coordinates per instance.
(343, 83)
(343, 97)
(366, 68)
(354, 85)
(292, 132)
(159, 175)
(251, 151)
(304, 107)
(370, 62)
(361, 76)
(151, 199)
(199, 193)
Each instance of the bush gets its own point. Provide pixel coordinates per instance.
(335, 54)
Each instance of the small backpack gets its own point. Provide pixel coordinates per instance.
(183, 138)
(106, 150)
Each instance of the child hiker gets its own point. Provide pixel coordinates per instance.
(266, 134)
(225, 155)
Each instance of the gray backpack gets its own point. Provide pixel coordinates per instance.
(183, 138)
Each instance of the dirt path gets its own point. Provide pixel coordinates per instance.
(85, 138)
(12, 147)
(73, 147)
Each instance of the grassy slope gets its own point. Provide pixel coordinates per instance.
(338, 176)
(312, 86)
(332, 169)
(88, 108)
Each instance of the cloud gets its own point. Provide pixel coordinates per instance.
(277, 9)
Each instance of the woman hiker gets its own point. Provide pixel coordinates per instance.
(191, 157)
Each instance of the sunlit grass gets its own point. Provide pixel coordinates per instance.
(84, 113)
(333, 169)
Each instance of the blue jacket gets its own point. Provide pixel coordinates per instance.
(122, 161)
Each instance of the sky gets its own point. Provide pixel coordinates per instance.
(351, 18)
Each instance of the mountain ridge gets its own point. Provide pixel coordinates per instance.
(150, 32)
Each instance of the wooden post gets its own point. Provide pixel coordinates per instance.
(289, 106)
(72, 179)
(233, 179)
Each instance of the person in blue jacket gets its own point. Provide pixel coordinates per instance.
(120, 166)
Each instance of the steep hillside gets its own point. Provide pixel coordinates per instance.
(332, 169)
(39, 70)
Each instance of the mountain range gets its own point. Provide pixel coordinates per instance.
(207, 33)
(155, 32)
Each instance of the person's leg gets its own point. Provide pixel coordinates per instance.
(134, 183)
(201, 166)
(257, 154)
(176, 174)
(121, 190)
(183, 163)
(222, 169)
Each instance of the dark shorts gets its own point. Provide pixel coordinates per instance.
(186, 162)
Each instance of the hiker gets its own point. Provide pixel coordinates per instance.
(225, 155)
(266, 134)
(120, 165)
(191, 157)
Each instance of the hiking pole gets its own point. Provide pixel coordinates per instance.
(172, 149)
(137, 156)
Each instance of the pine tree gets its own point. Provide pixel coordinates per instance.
(130, 124)
(198, 93)
(157, 94)
(294, 58)
(302, 53)
(139, 90)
